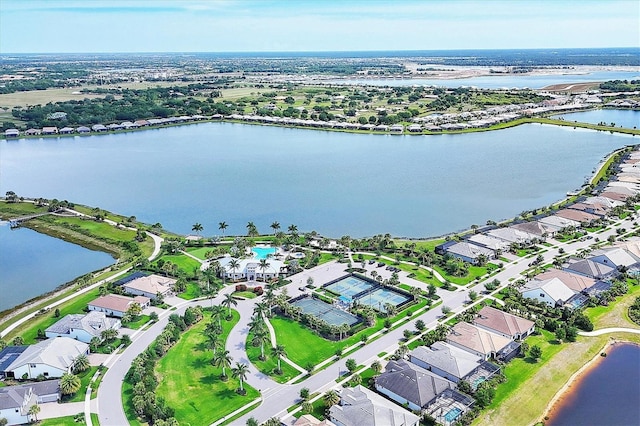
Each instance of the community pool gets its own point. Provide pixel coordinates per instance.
(263, 252)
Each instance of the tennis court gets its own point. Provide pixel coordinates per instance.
(325, 312)
(379, 297)
(349, 286)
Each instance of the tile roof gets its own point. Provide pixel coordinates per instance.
(502, 322)
(588, 267)
(555, 288)
(575, 282)
(477, 339)
(59, 352)
(152, 284)
(452, 360)
(360, 406)
(116, 302)
(93, 323)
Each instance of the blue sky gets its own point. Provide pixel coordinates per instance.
(305, 25)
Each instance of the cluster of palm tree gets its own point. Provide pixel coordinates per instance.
(260, 334)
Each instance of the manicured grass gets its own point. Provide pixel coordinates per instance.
(199, 252)
(85, 378)
(616, 314)
(29, 330)
(245, 294)
(193, 291)
(60, 421)
(302, 345)
(184, 263)
(134, 325)
(421, 245)
(94, 419)
(319, 410)
(102, 229)
(199, 397)
(127, 396)
(269, 365)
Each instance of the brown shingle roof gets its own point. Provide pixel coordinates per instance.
(115, 302)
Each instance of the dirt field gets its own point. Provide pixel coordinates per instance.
(571, 87)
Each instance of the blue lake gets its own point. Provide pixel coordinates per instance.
(32, 264)
(332, 182)
(498, 81)
(605, 395)
(622, 118)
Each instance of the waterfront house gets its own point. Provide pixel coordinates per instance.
(49, 358)
(49, 130)
(99, 128)
(536, 228)
(468, 252)
(141, 123)
(411, 385)
(7, 356)
(558, 223)
(579, 216)
(512, 235)
(551, 291)
(477, 341)
(594, 209)
(489, 242)
(504, 323)
(16, 401)
(309, 420)
(115, 305)
(359, 406)
(83, 129)
(82, 327)
(615, 196)
(33, 132)
(150, 286)
(11, 133)
(67, 130)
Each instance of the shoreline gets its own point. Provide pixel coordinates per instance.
(556, 402)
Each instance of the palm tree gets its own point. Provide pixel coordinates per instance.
(234, 265)
(293, 231)
(252, 230)
(264, 265)
(261, 310)
(343, 328)
(376, 367)
(331, 398)
(228, 302)
(213, 342)
(275, 226)
(81, 363)
(278, 351)
(109, 334)
(240, 372)
(33, 411)
(223, 359)
(261, 336)
(197, 228)
(222, 226)
(69, 384)
(216, 313)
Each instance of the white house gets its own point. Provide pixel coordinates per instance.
(477, 341)
(359, 406)
(83, 327)
(504, 323)
(445, 360)
(553, 291)
(15, 401)
(49, 358)
(250, 269)
(115, 305)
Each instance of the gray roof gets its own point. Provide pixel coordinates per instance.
(13, 396)
(93, 323)
(469, 250)
(589, 268)
(413, 383)
(59, 352)
(359, 406)
(447, 358)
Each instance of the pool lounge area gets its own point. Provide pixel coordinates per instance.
(263, 252)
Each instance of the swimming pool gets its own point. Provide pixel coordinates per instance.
(263, 252)
(452, 414)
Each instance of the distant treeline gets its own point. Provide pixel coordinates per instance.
(621, 85)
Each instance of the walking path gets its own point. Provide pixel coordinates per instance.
(609, 330)
(272, 336)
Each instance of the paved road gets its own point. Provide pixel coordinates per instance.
(277, 397)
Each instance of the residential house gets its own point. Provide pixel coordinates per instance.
(536, 228)
(16, 401)
(615, 257)
(577, 283)
(150, 286)
(359, 406)
(115, 305)
(607, 202)
(49, 130)
(82, 327)
(589, 268)
(552, 291)
(487, 241)
(615, 196)
(558, 223)
(468, 252)
(504, 323)
(445, 360)
(478, 341)
(99, 128)
(410, 384)
(49, 358)
(309, 420)
(594, 208)
(7, 356)
(579, 216)
(512, 235)
(441, 249)
(11, 133)
(33, 132)
(83, 129)
(67, 130)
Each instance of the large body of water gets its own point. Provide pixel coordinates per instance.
(32, 264)
(334, 183)
(606, 395)
(499, 81)
(622, 118)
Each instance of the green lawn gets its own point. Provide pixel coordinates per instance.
(102, 229)
(270, 364)
(199, 252)
(29, 330)
(94, 419)
(199, 397)
(184, 262)
(61, 421)
(134, 325)
(193, 291)
(520, 370)
(85, 378)
(127, 396)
